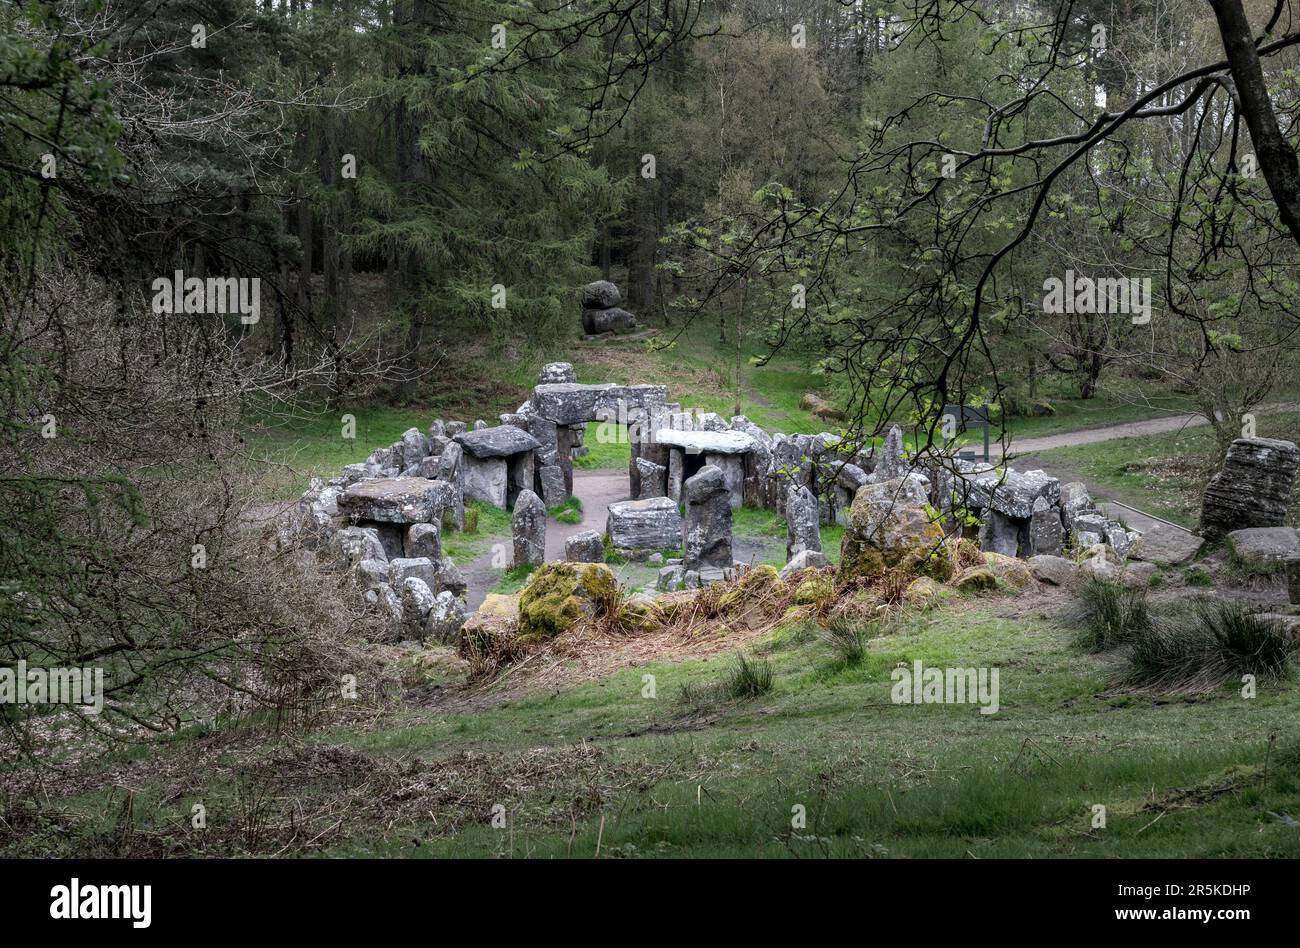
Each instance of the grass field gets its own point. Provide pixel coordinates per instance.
(599, 766)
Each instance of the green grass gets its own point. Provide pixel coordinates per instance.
(295, 450)
(493, 525)
(880, 779)
(722, 779)
(513, 580)
(568, 512)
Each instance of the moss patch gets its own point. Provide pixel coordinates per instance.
(558, 595)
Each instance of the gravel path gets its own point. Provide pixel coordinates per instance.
(1130, 429)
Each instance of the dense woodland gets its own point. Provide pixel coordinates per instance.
(882, 186)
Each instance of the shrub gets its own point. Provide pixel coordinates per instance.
(1108, 614)
(1201, 647)
(749, 678)
(848, 639)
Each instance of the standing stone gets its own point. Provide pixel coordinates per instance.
(411, 449)
(454, 428)
(1046, 532)
(584, 547)
(417, 603)
(653, 479)
(452, 474)
(445, 618)
(801, 518)
(551, 478)
(353, 544)
(528, 526)
(999, 533)
(486, 480)
(732, 467)
(423, 539)
(890, 463)
(1252, 489)
(706, 534)
(1293, 579)
(676, 466)
(1074, 501)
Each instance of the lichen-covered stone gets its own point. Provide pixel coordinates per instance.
(584, 547)
(499, 442)
(975, 579)
(802, 519)
(707, 534)
(804, 559)
(423, 539)
(353, 544)
(653, 479)
(528, 530)
(1053, 570)
(1014, 572)
(814, 590)
(652, 524)
(888, 522)
(398, 500)
(1046, 531)
(1252, 489)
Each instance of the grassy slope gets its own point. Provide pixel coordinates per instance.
(877, 778)
(1178, 778)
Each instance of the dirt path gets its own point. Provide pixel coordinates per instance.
(1130, 429)
(597, 490)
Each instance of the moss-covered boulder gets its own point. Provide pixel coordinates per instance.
(1014, 572)
(890, 524)
(559, 595)
(923, 592)
(753, 583)
(495, 623)
(814, 589)
(975, 579)
(859, 559)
